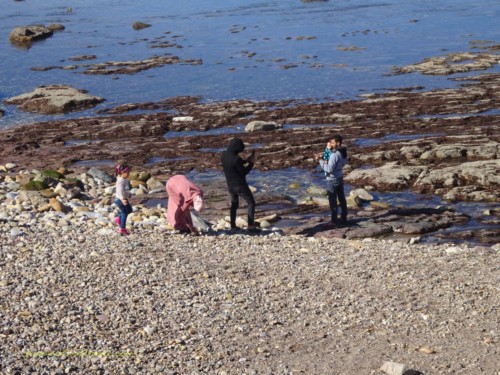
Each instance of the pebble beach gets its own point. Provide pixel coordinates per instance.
(76, 297)
(75, 301)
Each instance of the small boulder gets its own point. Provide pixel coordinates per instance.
(34, 186)
(140, 176)
(27, 34)
(140, 25)
(52, 174)
(56, 27)
(99, 174)
(316, 191)
(393, 368)
(361, 195)
(155, 184)
(58, 206)
(261, 126)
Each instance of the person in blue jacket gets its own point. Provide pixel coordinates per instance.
(334, 180)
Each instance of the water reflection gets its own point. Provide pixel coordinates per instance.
(218, 131)
(160, 159)
(93, 163)
(366, 142)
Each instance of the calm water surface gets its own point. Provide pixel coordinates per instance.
(243, 45)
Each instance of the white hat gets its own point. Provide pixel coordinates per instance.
(198, 204)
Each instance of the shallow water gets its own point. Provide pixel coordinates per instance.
(243, 44)
(366, 142)
(279, 182)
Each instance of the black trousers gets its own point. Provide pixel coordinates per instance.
(244, 192)
(335, 189)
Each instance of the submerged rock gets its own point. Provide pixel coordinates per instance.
(140, 25)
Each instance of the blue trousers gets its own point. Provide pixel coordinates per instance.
(125, 209)
(335, 189)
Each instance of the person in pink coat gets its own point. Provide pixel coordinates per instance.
(182, 195)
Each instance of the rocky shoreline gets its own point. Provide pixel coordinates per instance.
(440, 142)
(79, 298)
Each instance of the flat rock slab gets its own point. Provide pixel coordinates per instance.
(369, 231)
(54, 99)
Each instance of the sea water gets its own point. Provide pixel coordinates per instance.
(252, 49)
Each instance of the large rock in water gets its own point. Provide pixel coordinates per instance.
(54, 99)
(388, 177)
(27, 34)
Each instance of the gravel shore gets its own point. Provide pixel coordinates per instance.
(76, 301)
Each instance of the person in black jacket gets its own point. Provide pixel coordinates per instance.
(235, 170)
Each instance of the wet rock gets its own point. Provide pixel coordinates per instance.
(56, 27)
(360, 195)
(27, 34)
(132, 67)
(54, 99)
(372, 230)
(470, 193)
(100, 175)
(451, 64)
(425, 227)
(390, 176)
(483, 173)
(317, 191)
(255, 126)
(140, 25)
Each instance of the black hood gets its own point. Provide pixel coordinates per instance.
(236, 146)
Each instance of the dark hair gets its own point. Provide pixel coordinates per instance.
(121, 168)
(338, 138)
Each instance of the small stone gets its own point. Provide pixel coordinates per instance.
(149, 330)
(426, 350)
(393, 368)
(16, 232)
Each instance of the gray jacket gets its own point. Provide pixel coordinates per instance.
(333, 167)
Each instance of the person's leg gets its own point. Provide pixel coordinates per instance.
(247, 195)
(342, 201)
(234, 207)
(332, 200)
(123, 213)
(128, 211)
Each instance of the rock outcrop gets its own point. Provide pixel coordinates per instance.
(54, 99)
(28, 34)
